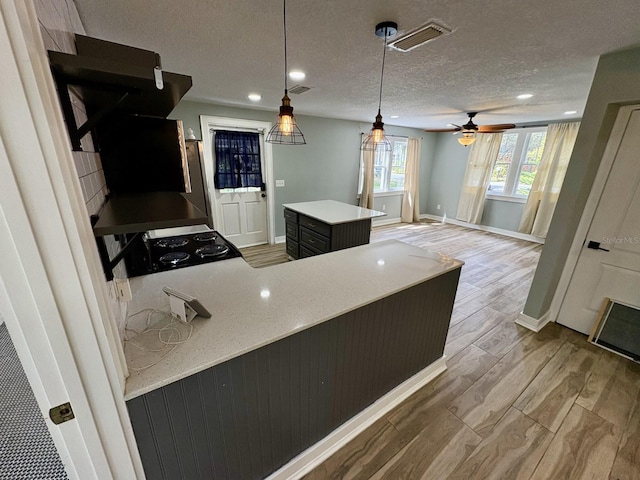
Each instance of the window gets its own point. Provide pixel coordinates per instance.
(237, 160)
(388, 168)
(517, 163)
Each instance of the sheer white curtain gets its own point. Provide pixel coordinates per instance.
(366, 193)
(410, 200)
(546, 186)
(476, 178)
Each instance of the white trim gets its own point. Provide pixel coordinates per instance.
(208, 122)
(318, 453)
(485, 228)
(388, 193)
(533, 324)
(617, 133)
(53, 294)
(505, 198)
(378, 222)
(281, 239)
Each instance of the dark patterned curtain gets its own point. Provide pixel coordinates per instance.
(237, 159)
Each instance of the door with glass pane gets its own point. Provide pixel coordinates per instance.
(240, 188)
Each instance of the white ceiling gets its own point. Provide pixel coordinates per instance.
(498, 50)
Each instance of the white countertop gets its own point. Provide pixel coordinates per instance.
(252, 307)
(332, 212)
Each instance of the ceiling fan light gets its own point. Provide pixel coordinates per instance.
(467, 138)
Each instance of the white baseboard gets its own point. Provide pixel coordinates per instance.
(318, 453)
(385, 221)
(533, 324)
(485, 228)
(281, 239)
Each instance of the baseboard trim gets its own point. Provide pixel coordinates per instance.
(385, 221)
(485, 228)
(281, 239)
(318, 453)
(533, 324)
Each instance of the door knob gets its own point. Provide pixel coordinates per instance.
(263, 195)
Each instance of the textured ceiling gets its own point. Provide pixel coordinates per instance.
(498, 50)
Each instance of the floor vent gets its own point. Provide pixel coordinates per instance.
(298, 89)
(420, 36)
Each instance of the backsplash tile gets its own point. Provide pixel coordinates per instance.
(59, 22)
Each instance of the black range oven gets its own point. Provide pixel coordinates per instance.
(179, 248)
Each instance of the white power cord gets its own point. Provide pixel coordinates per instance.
(169, 334)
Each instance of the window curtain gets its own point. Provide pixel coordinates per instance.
(476, 178)
(410, 200)
(237, 159)
(545, 190)
(366, 192)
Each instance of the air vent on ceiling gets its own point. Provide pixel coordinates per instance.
(298, 89)
(418, 37)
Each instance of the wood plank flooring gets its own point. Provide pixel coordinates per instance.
(512, 404)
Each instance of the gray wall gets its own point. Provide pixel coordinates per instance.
(616, 83)
(327, 167)
(447, 172)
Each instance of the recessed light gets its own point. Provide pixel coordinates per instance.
(394, 116)
(297, 75)
(254, 97)
(570, 112)
(524, 96)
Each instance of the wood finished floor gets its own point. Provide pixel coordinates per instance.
(512, 404)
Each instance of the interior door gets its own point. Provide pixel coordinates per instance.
(609, 262)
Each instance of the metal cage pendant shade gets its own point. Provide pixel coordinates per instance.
(376, 140)
(285, 131)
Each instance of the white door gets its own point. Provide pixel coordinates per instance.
(243, 215)
(609, 262)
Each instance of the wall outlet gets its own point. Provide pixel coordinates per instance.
(279, 183)
(384, 207)
(438, 207)
(123, 289)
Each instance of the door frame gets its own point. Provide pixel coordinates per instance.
(53, 295)
(208, 123)
(597, 189)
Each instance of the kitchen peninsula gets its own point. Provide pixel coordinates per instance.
(291, 352)
(325, 226)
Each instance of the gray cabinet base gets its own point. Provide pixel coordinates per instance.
(247, 417)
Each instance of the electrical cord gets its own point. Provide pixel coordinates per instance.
(169, 335)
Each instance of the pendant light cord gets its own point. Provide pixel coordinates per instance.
(284, 22)
(384, 52)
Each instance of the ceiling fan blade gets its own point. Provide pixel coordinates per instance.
(441, 130)
(499, 127)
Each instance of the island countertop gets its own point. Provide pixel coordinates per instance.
(253, 307)
(333, 212)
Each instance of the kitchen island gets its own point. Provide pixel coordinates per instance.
(290, 353)
(322, 226)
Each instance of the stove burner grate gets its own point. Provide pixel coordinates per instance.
(174, 258)
(205, 237)
(212, 250)
(172, 242)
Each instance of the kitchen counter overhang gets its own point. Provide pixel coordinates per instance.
(252, 308)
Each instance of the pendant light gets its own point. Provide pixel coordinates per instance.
(285, 131)
(468, 137)
(376, 140)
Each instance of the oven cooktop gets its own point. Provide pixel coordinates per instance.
(160, 254)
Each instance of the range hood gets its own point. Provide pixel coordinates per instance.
(113, 79)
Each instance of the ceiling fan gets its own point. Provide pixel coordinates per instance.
(470, 129)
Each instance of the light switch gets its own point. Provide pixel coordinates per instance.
(279, 183)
